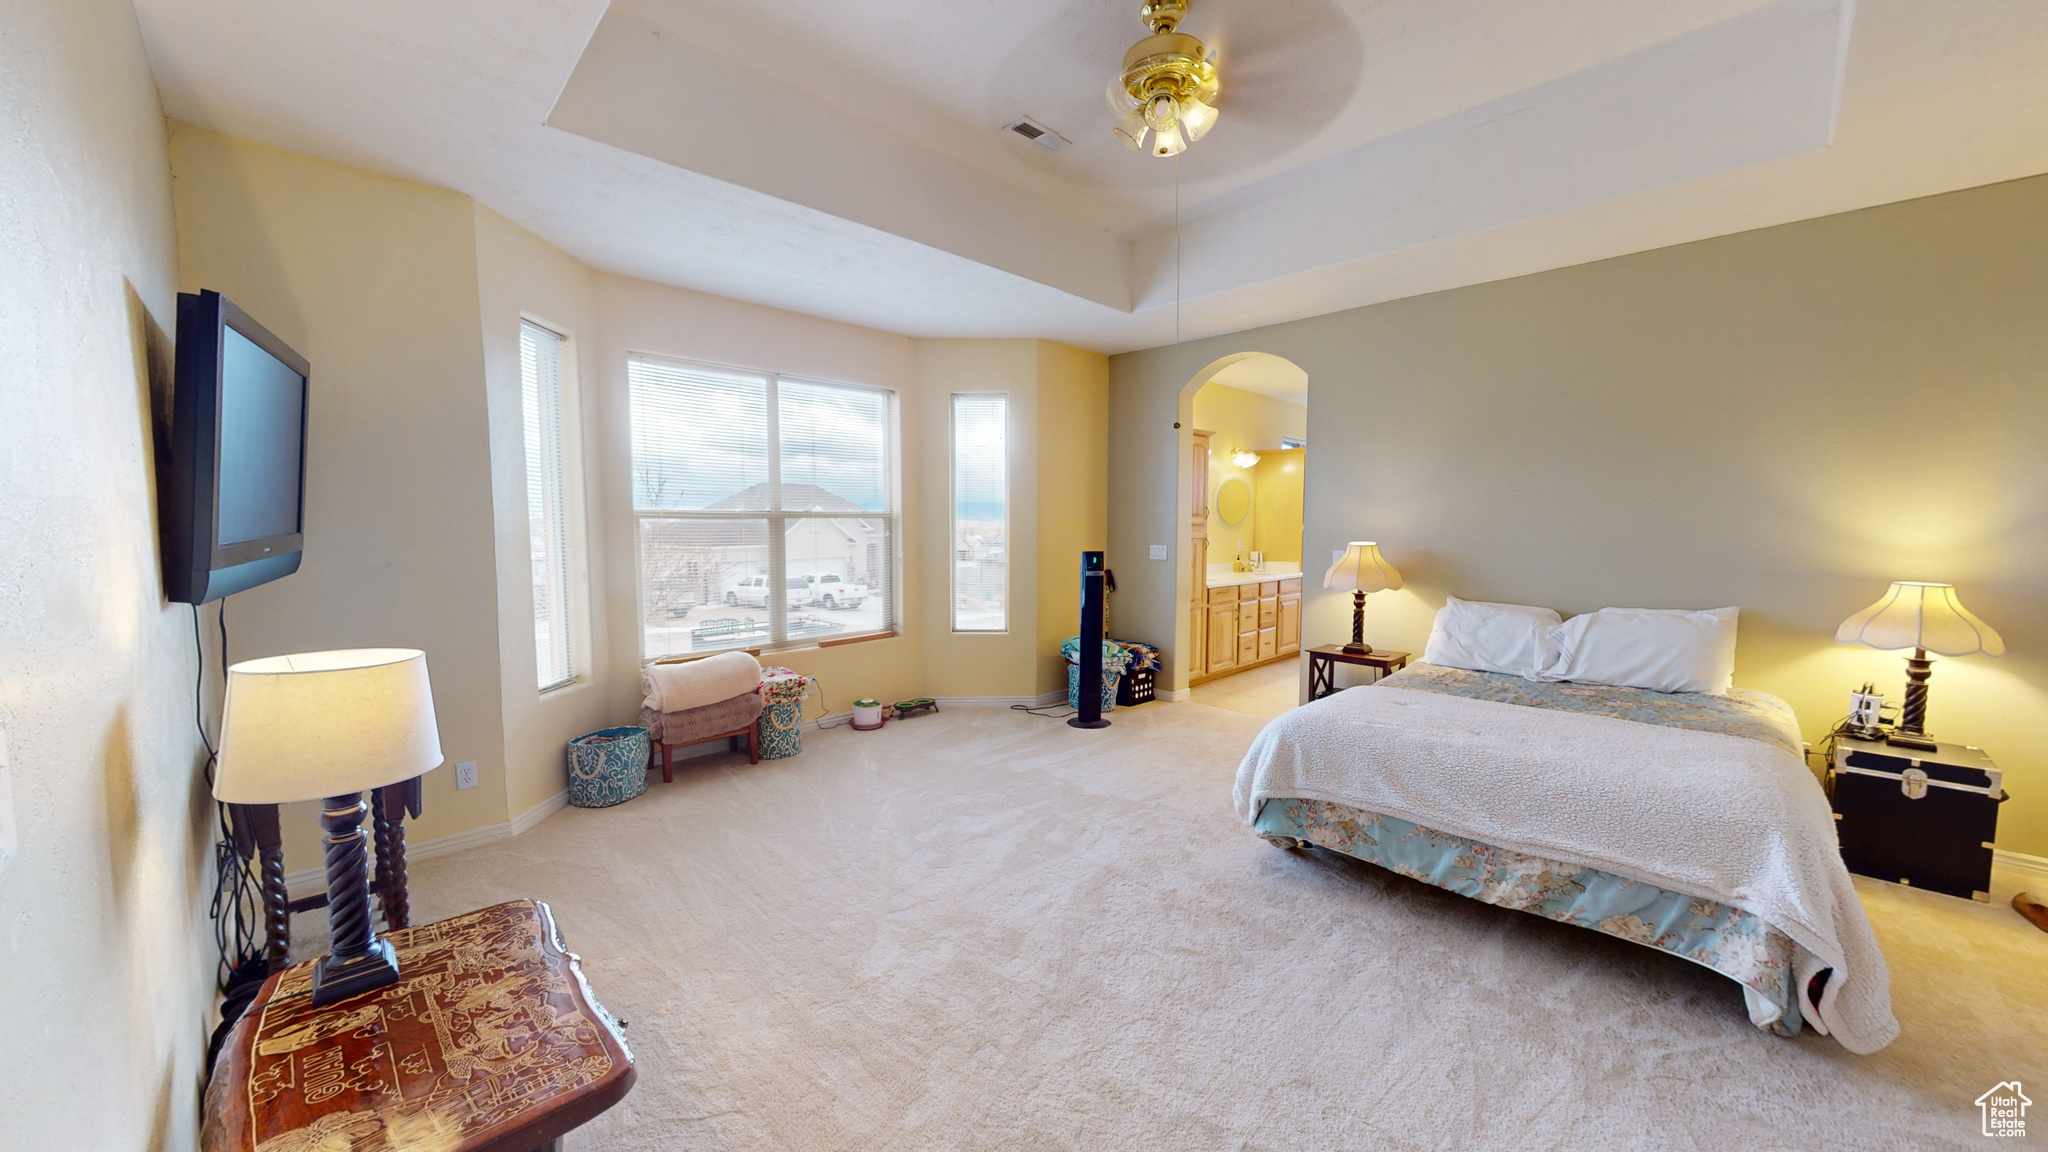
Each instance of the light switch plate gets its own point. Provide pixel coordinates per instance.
(465, 774)
(1159, 551)
(7, 842)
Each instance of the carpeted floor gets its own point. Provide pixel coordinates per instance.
(986, 930)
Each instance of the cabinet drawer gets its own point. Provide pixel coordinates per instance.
(1247, 647)
(1269, 588)
(1269, 642)
(1291, 584)
(1269, 608)
(1248, 616)
(1223, 595)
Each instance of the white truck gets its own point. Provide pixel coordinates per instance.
(830, 592)
(752, 592)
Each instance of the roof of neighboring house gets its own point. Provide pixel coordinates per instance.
(795, 498)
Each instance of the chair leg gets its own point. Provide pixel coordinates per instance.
(753, 740)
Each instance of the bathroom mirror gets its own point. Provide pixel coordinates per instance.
(1233, 501)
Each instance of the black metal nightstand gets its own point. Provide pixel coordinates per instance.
(1922, 819)
(1323, 661)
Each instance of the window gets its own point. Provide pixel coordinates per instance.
(547, 518)
(766, 508)
(981, 513)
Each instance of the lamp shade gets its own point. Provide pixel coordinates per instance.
(1362, 569)
(1914, 614)
(322, 724)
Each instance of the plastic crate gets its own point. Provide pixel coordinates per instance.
(1136, 687)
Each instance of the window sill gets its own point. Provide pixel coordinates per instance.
(772, 649)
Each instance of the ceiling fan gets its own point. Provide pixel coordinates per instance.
(1168, 87)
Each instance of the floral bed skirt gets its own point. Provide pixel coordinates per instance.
(1728, 940)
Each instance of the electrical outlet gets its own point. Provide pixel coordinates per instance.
(1159, 551)
(465, 774)
(7, 843)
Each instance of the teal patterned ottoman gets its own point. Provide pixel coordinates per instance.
(607, 767)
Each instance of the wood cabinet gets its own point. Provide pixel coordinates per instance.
(1249, 624)
(1199, 624)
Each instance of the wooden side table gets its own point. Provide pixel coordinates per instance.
(1323, 660)
(489, 1042)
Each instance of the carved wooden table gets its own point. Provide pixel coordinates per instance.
(489, 1042)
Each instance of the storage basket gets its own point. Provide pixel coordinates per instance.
(1109, 692)
(779, 733)
(1136, 687)
(607, 767)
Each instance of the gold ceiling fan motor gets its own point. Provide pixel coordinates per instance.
(1167, 91)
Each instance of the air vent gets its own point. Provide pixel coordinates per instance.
(1038, 134)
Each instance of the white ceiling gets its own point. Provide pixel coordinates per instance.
(845, 159)
(1266, 374)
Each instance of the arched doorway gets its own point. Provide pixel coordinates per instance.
(1242, 589)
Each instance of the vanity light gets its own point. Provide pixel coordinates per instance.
(1244, 458)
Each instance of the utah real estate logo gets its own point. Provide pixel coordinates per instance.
(2005, 1110)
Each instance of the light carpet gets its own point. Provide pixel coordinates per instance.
(982, 929)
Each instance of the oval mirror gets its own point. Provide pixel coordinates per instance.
(1233, 501)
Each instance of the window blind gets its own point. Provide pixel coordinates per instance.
(540, 378)
(981, 511)
(766, 508)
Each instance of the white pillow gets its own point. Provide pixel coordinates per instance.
(1513, 638)
(1664, 650)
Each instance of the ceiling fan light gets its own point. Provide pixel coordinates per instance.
(1197, 117)
(1169, 142)
(1132, 131)
(1162, 112)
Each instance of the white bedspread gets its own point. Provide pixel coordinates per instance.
(1727, 818)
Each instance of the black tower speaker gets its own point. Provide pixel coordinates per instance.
(1090, 655)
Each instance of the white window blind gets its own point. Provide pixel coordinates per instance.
(540, 378)
(981, 513)
(766, 508)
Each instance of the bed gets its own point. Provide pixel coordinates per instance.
(1686, 822)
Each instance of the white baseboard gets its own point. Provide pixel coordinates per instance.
(1000, 701)
(1173, 695)
(524, 822)
(316, 878)
(2031, 869)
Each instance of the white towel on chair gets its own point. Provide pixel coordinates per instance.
(679, 687)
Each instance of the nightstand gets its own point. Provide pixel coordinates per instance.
(1323, 661)
(1922, 819)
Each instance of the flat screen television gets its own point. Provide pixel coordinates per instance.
(234, 492)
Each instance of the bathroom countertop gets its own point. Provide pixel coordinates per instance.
(1220, 575)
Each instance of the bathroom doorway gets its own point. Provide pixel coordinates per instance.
(1250, 447)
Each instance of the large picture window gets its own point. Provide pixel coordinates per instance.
(766, 508)
(547, 510)
(981, 512)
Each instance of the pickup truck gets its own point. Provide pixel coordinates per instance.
(752, 592)
(829, 591)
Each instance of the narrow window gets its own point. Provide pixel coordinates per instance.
(540, 378)
(981, 513)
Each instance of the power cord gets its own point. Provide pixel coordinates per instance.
(1046, 711)
(236, 907)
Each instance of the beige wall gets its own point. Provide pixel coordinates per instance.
(1241, 419)
(1073, 495)
(1783, 420)
(374, 281)
(105, 951)
(1277, 487)
(519, 276)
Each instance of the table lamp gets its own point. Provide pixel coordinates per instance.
(1926, 618)
(1361, 569)
(328, 726)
